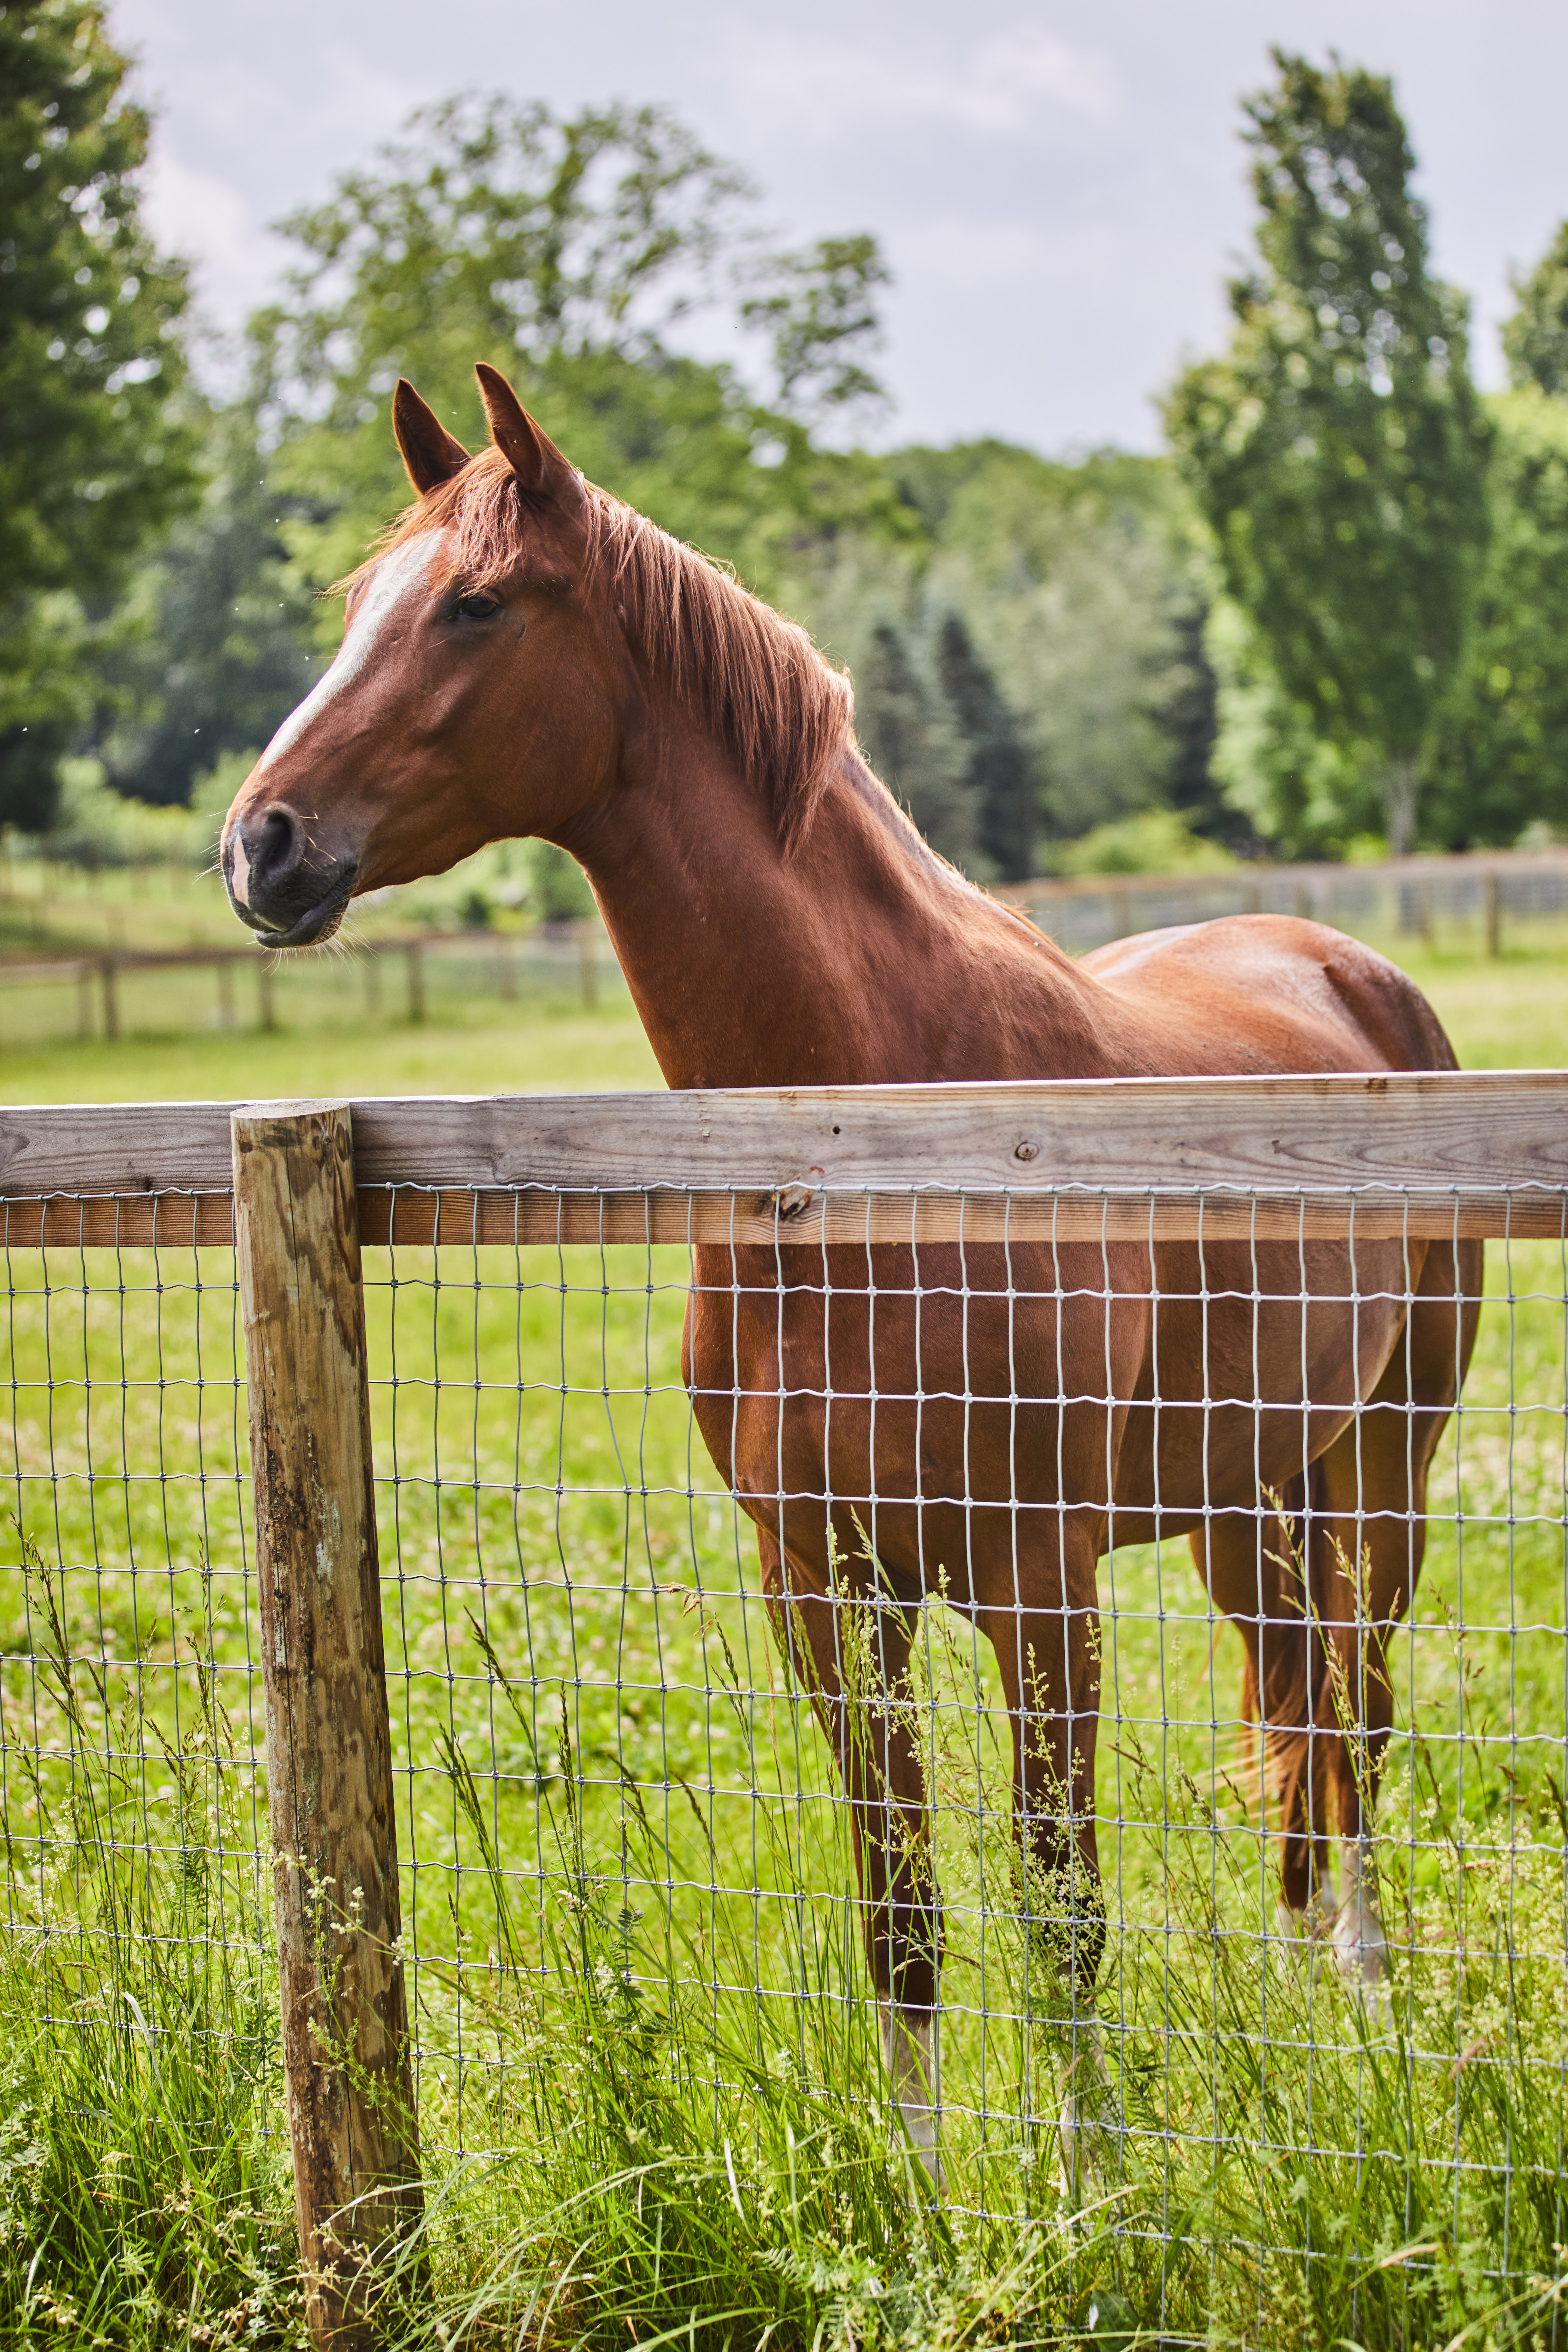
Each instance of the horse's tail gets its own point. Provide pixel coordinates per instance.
(1295, 1703)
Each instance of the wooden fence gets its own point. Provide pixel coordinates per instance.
(1481, 894)
(571, 956)
(299, 1189)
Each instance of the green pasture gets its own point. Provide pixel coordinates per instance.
(333, 1040)
(650, 2092)
(639, 1994)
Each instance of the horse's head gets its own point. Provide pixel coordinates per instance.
(466, 702)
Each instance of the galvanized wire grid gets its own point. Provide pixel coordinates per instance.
(613, 1788)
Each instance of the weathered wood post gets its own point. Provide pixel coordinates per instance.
(346, 2059)
(106, 972)
(413, 957)
(1492, 896)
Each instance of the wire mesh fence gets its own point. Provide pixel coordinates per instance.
(622, 1732)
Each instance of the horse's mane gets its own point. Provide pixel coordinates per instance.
(782, 711)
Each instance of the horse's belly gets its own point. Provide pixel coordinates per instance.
(943, 1416)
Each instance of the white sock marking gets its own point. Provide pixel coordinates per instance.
(912, 2048)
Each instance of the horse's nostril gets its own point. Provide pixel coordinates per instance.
(275, 848)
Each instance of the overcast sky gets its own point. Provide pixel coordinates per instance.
(1060, 191)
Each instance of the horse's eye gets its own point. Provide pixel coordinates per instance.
(478, 605)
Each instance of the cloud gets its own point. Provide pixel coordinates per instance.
(1001, 87)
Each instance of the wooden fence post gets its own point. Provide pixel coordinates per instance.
(1493, 897)
(265, 1010)
(588, 962)
(414, 955)
(346, 2058)
(111, 1000)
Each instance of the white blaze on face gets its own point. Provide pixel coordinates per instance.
(395, 576)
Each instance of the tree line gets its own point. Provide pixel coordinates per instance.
(1334, 610)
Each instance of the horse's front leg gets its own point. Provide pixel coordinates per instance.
(852, 1650)
(1047, 1655)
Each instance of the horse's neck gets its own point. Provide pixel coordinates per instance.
(862, 959)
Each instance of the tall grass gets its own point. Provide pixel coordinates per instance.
(141, 2181)
(652, 2099)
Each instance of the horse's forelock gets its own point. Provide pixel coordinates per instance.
(782, 711)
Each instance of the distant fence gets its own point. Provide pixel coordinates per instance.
(394, 976)
(1477, 898)
(529, 1741)
(1478, 895)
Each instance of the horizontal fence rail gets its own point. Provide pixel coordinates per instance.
(759, 1781)
(1471, 1153)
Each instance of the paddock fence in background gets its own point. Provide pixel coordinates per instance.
(1479, 902)
(117, 991)
(397, 1522)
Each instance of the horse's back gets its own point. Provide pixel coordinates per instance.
(1260, 992)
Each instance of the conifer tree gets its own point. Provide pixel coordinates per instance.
(997, 779)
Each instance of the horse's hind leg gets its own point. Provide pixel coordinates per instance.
(853, 1653)
(1253, 1563)
(1368, 1537)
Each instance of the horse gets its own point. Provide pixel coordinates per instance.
(524, 655)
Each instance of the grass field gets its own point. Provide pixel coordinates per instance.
(650, 2095)
(1508, 1014)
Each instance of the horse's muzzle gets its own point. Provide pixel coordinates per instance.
(286, 889)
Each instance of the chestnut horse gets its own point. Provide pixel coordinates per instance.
(526, 655)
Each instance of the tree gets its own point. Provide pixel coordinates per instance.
(217, 644)
(996, 778)
(93, 456)
(822, 318)
(1070, 579)
(1535, 339)
(1503, 761)
(1338, 450)
(572, 250)
(910, 735)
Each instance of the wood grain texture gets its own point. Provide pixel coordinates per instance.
(329, 1751)
(1460, 1143)
(411, 1216)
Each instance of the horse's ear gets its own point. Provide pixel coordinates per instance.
(539, 467)
(429, 452)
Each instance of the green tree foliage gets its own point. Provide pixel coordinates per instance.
(1503, 755)
(1535, 339)
(569, 252)
(219, 638)
(997, 784)
(1307, 794)
(911, 735)
(1338, 450)
(1071, 583)
(92, 455)
(821, 315)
